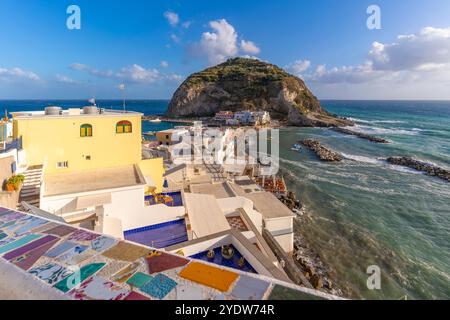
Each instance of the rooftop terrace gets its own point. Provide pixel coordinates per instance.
(72, 112)
(43, 259)
(92, 180)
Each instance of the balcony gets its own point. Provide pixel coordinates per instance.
(10, 144)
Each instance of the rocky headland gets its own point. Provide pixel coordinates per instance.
(429, 169)
(249, 84)
(322, 152)
(360, 135)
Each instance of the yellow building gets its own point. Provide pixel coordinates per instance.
(75, 140)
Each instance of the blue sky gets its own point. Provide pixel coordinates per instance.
(151, 46)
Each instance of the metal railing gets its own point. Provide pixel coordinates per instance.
(6, 146)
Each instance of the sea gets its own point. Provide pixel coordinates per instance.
(362, 212)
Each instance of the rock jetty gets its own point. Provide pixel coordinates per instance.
(429, 169)
(323, 153)
(360, 135)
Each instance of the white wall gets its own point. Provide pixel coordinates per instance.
(282, 230)
(127, 205)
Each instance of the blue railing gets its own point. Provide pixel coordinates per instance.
(14, 144)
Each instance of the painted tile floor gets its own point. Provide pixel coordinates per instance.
(88, 266)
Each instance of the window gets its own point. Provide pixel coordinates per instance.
(124, 127)
(86, 130)
(62, 165)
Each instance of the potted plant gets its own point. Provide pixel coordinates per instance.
(15, 182)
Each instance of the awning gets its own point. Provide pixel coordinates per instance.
(93, 201)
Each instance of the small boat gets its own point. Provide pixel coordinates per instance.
(150, 133)
(157, 120)
(296, 147)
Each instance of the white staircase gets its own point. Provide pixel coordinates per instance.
(31, 188)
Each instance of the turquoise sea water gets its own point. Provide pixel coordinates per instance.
(363, 211)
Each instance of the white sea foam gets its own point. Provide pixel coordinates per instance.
(384, 131)
(376, 121)
(362, 158)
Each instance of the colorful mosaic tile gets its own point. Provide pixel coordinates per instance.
(3, 211)
(82, 235)
(139, 279)
(97, 288)
(27, 260)
(126, 273)
(112, 267)
(189, 292)
(5, 225)
(50, 273)
(12, 216)
(28, 247)
(126, 252)
(249, 288)
(43, 228)
(136, 296)
(71, 253)
(78, 277)
(209, 276)
(102, 243)
(159, 261)
(60, 230)
(77, 259)
(60, 249)
(159, 287)
(35, 222)
(19, 242)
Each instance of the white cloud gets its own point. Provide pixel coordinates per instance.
(186, 24)
(249, 47)
(414, 66)
(172, 18)
(175, 38)
(14, 74)
(64, 79)
(134, 74)
(220, 43)
(137, 74)
(412, 52)
(164, 64)
(298, 67)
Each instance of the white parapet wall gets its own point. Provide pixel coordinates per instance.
(25, 285)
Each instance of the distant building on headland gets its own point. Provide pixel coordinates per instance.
(245, 117)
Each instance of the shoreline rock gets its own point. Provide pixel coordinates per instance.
(429, 169)
(312, 265)
(360, 135)
(323, 153)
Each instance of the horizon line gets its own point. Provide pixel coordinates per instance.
(168, 99)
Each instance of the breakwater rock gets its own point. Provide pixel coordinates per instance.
(429, 169)
(323, 153)
(360, 135)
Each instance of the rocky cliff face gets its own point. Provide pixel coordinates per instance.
(249, 84)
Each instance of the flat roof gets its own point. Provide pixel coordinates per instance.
(92, 180)
(218, 190)
(205, 215)
(73, 112)
(269, 205)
